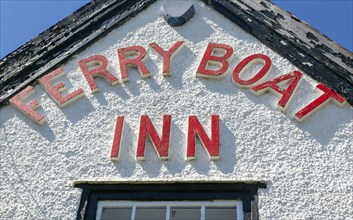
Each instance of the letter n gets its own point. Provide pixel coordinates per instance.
(160, 144)
(211, 145)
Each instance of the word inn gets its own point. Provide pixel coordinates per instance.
(161, 142)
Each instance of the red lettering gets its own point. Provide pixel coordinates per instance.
(89, 73)
(315, 105)
(210, 145)
(160, 144)
(27, 109)
(167, 55)
(55, 91)
(114, 155)
(248, 61)
(272, 85)
(209, 59)
(139, 54)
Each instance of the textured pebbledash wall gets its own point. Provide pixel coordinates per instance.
(308, 166)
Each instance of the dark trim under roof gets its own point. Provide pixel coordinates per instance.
(315, 54)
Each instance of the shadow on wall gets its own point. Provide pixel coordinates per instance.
(126, 163)
(188, 29)
(78, 110)
(325, 122)
(44, 130)
(104, 87)
(321, 125)
(227, 158)
(179, 66)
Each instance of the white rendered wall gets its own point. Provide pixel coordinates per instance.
(308, 166)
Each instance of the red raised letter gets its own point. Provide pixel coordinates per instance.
(139, 54)
(100, 61)
(167, 55)
(160, 144)
(210, 145)
(114, 155)
(315, 105)
(55, 91)
(210, 59)
(244, 64)
(287, 94)
(27, 109)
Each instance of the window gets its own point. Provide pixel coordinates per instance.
(178, 210)
(168, 201)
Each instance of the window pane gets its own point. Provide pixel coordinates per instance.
(185, 213)
(221, 213)
(123, 213)
(150, 213)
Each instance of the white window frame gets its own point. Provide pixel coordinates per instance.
(202, 204)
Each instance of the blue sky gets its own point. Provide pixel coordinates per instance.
(21, 20)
